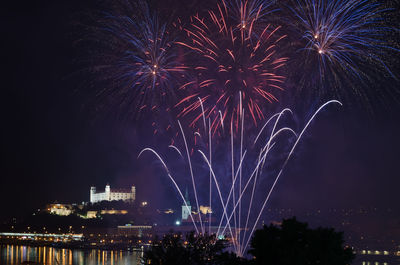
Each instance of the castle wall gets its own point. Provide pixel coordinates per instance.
(109, 195)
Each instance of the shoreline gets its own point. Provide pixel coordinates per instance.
(76, 245)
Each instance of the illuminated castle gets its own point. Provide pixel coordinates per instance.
(112, 194)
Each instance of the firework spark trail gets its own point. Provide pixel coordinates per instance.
(210, 191)
(233, 182)
(232, 189)
(272, 132)
(252, 195)
(219, 191)
(173, 181)
(176, 149)
(268, 121)
(241, 155)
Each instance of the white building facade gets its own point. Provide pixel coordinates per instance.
(186, 211)
(112, 194)
(186, 208)
(60, 209)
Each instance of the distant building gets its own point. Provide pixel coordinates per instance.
(91, 214)
(190, 215)
(95, 214)
(112, 194)
(117, 212)
(205, 209)
(136, 230)
(60, 209)
(186, 208)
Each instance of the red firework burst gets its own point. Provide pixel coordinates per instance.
(235, 63)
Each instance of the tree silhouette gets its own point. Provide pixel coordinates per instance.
(190, 250)
(294, 243)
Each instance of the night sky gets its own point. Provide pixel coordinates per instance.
(54, 149)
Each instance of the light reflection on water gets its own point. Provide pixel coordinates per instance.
(15, 255)
(379, 263)
(365, 260)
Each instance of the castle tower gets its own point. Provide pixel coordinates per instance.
(108, 192)
(92, 193)
(186, 210)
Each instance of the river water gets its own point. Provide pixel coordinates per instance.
(15, 255)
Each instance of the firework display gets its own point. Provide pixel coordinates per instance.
(238, 215)
(217, 73)
(252, 48)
